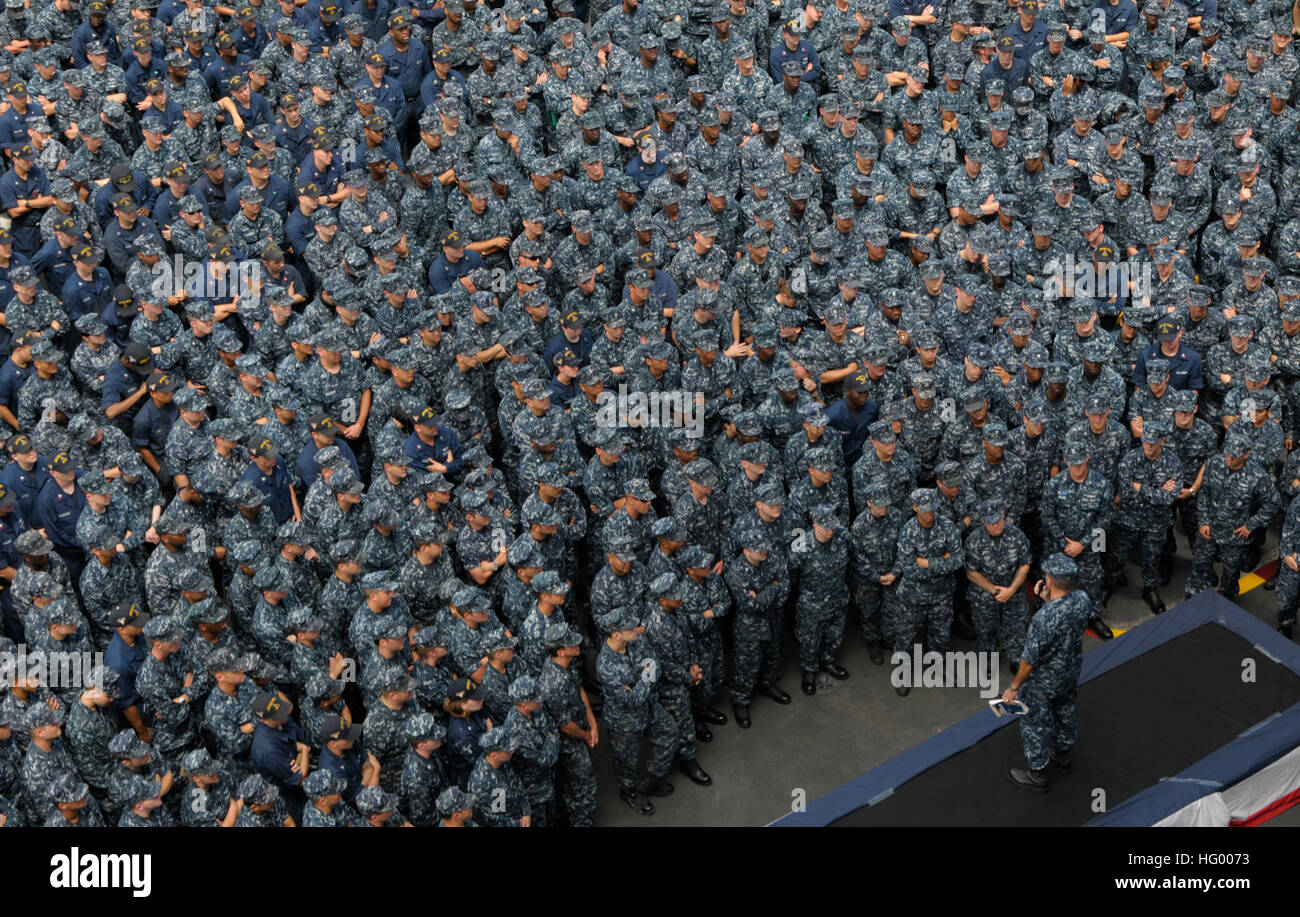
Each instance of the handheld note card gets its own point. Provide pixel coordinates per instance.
(1001, 708)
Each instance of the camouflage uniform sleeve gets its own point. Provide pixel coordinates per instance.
(1269, 503)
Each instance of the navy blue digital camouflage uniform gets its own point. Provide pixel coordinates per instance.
(924, 607)
(632, 709)
(998, 558)
(1054, 647)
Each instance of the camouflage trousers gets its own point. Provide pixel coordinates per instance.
(908, 621)
(662, 732)
(676, 699)
(1291, 416)
(1288, 595)
(543, 808)
(1152, 544)
(713, 665)
(872, 602)
(758, 654)
(1050, 723)
(390, 776)
(175, 741)
(110, 808)
(1031, 523)
(1187, 520)
(576, 782)
(819, 631)
(539, 783)
(1232, 557)
(990, 616)
(1090, 579)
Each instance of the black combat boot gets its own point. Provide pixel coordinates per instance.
(1029, 779)
(655, 786)
(638, 802)
(695, 773)
(835, 670)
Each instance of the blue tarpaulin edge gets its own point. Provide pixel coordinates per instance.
(1253, 750)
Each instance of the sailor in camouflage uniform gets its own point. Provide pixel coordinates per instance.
(929, 553)
(1048, 675)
